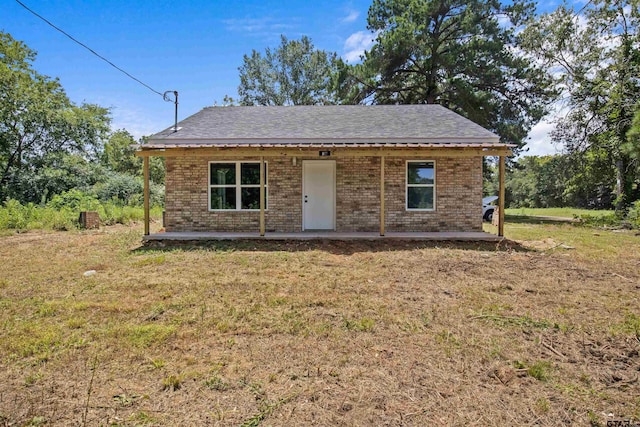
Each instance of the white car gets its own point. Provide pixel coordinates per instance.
(488, 208)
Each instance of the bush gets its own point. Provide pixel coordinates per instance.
(614, 220)
(120, 188)
(156, 195)
(13, 215)
(127, 190)
(74, 200)
(40, 179)
(112, 213)
(634, 214)
(609, 220)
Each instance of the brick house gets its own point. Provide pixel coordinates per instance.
(382, 168)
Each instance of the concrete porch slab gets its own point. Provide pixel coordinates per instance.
(326, 235)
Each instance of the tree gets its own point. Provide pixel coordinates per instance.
(595, 54)
(461, 54)
(539, 182)
(37, 119)
(591, 180)
(52, 174)
(558, 181)
(119, 153)
(632, 146)
(157, 170)
(119, 156)
(295, 73)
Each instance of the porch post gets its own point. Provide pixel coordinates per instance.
(262, 196)
(145, 171)
(382, 195)
(501, 197)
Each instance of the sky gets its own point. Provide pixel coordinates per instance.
(192, 47)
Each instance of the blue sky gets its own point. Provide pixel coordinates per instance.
(193, 47)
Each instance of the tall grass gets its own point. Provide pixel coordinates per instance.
(559, 212)
(587, 217)
(16, 216)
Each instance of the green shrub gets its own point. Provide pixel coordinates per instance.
(614, 220)
(540, 370)
(14, 215)
(62, 220)
(74, 200)
(156, 195)
(114, 213)
(608, 220)
(127, 190)
(634, 214)
(120, 187)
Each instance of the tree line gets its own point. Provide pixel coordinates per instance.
(500, 64)
(504, 67)
(50, 146)
(560, 180)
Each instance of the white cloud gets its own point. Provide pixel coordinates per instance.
(539, 141)
(136, 122)
(356, 44)
(256, 25)
(352, 16)
(504, 21)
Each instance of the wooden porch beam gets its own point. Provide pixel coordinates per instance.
(314, 153)
(262, 227)
(501, 193)
(145, 172)
(382, 196)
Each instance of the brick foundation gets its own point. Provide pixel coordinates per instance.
(458, 196)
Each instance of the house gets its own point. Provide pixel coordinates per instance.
(343, 168)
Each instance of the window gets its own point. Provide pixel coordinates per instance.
(421, 188)
(235, 185)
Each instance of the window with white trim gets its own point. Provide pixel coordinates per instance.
(236, 186)
(421, 185)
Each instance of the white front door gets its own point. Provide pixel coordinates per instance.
(318, 194)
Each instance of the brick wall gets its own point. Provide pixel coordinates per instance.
(458, 196)
(187, 203)
(358, 194)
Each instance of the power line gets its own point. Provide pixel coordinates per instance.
(92, 51)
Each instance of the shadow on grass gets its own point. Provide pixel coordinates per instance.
(526, 219)
(337, 247)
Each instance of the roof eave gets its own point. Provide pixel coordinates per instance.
(213, 142)
(474, 149)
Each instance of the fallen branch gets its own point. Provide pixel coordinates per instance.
(623, 383)
(622, 277)
(550, 348)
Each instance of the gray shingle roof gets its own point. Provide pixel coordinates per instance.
(395, 124)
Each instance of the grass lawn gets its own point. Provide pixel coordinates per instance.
(542, 329)
(557, 212)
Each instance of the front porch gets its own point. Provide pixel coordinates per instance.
(380, 202)
(325, 235)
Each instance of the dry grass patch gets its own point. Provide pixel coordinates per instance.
(324, 333)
